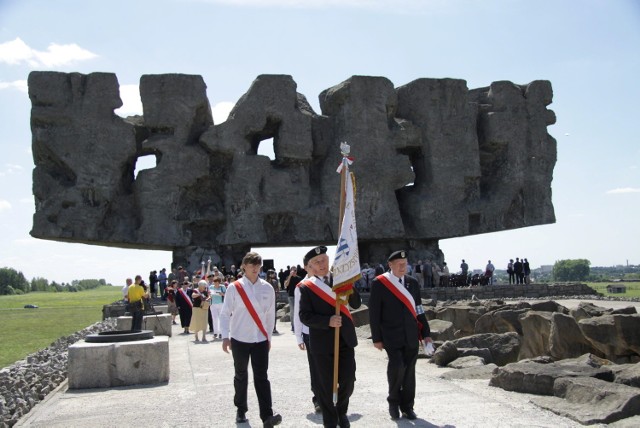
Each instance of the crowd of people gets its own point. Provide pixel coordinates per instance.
(430, 273)
(239, 308)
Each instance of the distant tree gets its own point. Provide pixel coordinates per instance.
(10, 277)
(571, 270)
(88, 284)
(57, 287)
(40, 284)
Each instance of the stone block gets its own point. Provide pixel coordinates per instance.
(160, 324)
(105, 365)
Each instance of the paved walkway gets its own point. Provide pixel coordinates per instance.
(200, 394)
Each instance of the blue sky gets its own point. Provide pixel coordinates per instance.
(587, 49)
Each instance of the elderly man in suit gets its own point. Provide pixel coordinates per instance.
(398, 325)
(318, 312)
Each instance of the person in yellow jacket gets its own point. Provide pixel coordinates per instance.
(137, 293)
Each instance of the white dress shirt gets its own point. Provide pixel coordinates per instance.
(235, 319)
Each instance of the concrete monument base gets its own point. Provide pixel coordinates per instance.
(104, 365)
(160, 324)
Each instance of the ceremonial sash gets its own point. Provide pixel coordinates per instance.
(186, 297)
(250, 308)
(327, 298)
(403, 298)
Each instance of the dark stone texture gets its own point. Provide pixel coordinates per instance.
(534, 378)
(592, 401)
(434, 160)
(504, 347)
(615, 336)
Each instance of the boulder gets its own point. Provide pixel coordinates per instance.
(504, 347)
(629, 310)
(566, 339)
(483, 353)
(462, 316)
(466, 362)
(590, 360)
(549, 306)
(536, 328)
(628, 374)
(533, 378)
(589, 310)
(500, 321)
(441, 330)
(476, 372)
(444, 354)
(615, 336)
(592, 401)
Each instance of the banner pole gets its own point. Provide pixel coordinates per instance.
(336, 342)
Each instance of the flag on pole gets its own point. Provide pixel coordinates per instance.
(346, 264)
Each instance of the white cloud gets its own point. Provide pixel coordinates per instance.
(17, 52)
(131, 103)
(10, 169)
(4, 205)
(20, 85)
(622, 190)
(220, 111)
(28, 200)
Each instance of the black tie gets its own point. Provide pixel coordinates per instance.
(326, 280)
(400, 279)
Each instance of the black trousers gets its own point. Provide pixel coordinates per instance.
(136, 319)
(185, 315)
(258, 353)
(312, 373)
(401, 375)
(323, 364)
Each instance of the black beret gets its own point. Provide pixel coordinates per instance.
(402, 254)
(314, 252)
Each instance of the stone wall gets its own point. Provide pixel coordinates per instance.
(433, 160)
(532, 291)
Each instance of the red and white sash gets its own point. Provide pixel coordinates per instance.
(327, 297)
(403, 295)
(250, 308)
(186, 297)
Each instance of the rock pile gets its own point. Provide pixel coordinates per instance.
(28, 381)
(584, 362)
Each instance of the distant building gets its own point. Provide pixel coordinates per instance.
(546, 268)
(616, 288)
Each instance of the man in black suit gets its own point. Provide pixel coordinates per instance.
(185, 305)
(398, 324)
(318, 311)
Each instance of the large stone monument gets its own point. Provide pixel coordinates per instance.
(433, 160)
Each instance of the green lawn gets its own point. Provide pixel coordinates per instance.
(633, 288)
(25, 331)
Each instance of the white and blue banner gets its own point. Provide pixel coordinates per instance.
(346, 265)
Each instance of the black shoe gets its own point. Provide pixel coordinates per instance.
(394, 412)
(344, 421)
(241, 417)
(409, 414)
(316, 405)
(272, 421)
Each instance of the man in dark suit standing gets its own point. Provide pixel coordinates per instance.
(318, 312)
(398, 324)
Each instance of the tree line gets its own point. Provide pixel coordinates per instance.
(14, 282)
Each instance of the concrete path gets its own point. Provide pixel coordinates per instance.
(200, 394)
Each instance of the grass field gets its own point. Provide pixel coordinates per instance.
(25, 331)
(633, 288)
